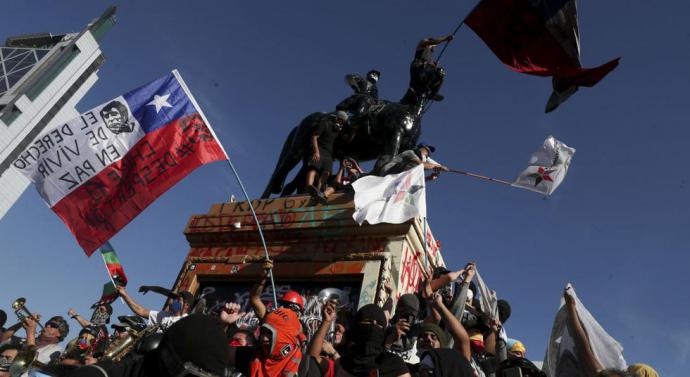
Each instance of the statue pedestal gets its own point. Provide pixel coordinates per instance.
(313, 246)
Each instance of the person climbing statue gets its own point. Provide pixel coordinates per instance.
(426, 76)
(319, 163)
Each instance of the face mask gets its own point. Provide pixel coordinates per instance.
(100, 317)
(83, 344)
(4, 364)
(369, 337)
(176, 306)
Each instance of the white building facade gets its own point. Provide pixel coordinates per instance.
(42, 78)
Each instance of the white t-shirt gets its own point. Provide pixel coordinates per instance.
(165, 319)
(45, 355)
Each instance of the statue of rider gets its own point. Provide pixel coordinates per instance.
(426, 76)
(366, 95)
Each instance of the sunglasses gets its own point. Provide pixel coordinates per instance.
(52, 325)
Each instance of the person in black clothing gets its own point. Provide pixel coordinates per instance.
(320, 163)
(367, 351)
(444, 363)
(193, 346)
(425, 74)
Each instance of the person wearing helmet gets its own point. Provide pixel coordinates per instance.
(293, 301)
(290, 299)
(319, 163)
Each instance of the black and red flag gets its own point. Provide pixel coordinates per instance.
(538, 37)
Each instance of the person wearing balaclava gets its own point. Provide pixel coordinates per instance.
(401, 337)
(367, 352)
(443, 362)
(280, 353)
(194, 345)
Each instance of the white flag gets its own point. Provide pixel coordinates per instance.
(547, 167)
(488, 298)
(561, 358)
(392, 199)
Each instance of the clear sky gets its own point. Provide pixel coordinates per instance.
(617, 228)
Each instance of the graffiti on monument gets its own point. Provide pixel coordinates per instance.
(217, 294)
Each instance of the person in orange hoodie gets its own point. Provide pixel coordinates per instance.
(280, 353)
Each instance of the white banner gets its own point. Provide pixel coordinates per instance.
(392, 199)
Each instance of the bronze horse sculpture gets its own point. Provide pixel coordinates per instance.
(382, 131)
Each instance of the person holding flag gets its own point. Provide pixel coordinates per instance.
(426, 76)
(179, 308)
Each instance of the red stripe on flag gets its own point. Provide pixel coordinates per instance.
(107, 202)
(517, 34)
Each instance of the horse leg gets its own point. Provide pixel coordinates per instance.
(287, 160)
(391, 149)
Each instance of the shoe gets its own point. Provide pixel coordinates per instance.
(321, 198)
(312, 191)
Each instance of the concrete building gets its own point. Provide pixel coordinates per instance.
(42, 78)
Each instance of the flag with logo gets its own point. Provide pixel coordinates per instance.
(100, 170)
(391, 199)
(547, 167)
(538, 37)
(109, 295)
(112, 263)
(561, 357)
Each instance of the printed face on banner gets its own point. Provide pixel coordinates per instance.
(63, 157)
(116, 117)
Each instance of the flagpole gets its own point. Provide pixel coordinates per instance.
(456, 31)
(237, 176)
(109, 276)
(426, 257)
(481, 177)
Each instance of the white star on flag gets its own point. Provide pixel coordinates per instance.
(160, 102)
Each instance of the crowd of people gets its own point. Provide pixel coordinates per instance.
(442, 330)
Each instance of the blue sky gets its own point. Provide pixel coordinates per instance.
(616, 228)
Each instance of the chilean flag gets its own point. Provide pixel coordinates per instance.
(100, 170)
(538, 37)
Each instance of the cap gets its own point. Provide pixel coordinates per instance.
(120, 325)
(430, 148)
(341, 115)
(186, 297)
(434, 328)
(409, 301)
